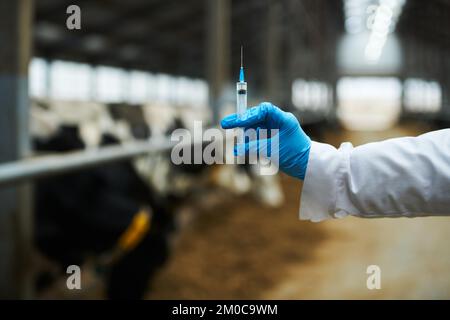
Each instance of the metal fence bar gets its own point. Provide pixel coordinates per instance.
(28, 169)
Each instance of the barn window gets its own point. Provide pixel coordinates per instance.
(38, 78)
(111, 84)
(311, 95)
(70, 81)
(422, 96)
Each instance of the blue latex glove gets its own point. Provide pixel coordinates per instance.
(294, 144)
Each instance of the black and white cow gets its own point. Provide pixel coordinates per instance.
(87, 212)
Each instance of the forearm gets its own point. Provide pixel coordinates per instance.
(396, 177)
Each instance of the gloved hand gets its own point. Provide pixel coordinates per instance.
(293, 144)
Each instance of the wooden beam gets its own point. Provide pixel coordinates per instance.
(218, 52)
(15, 202)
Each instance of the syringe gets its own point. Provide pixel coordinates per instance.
(241, 98)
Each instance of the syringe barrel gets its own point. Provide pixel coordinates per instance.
(241, 98)
(241, 107)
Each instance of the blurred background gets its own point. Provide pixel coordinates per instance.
(86, 177)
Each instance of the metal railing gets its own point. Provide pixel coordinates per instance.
(35, 167)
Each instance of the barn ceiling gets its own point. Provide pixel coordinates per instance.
(170, 35)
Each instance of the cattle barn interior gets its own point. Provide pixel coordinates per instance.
(92, 92)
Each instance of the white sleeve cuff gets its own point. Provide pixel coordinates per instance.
(325, 171)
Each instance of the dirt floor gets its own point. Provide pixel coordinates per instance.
(239, 250)
(242, 249)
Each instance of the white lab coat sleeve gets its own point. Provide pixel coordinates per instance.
(402, 177)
